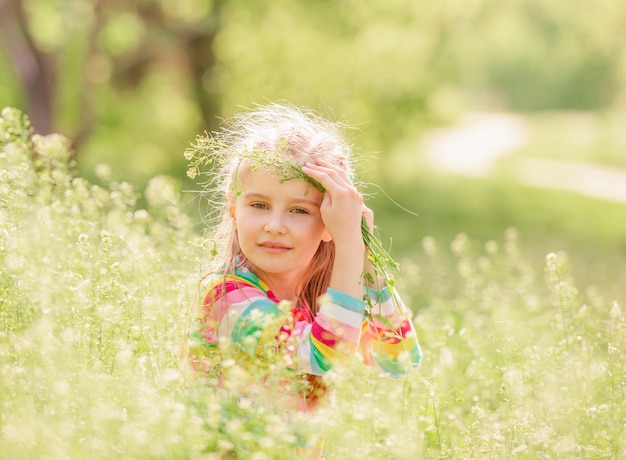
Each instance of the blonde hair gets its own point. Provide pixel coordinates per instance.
(300, 135)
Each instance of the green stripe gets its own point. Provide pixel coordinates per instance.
(319, 359)
(246, 327)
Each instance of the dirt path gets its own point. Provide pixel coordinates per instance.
(473, 146)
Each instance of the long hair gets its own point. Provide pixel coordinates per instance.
(301, 136)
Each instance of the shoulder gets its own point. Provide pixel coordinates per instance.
(227, 284)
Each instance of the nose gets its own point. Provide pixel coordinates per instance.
(275, 223)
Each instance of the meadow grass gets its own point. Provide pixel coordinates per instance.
(94, 299)
(590, 232)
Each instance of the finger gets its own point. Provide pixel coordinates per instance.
(368, 215)
(332, 169)
(329, 177)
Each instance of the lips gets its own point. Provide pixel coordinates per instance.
(273, 245)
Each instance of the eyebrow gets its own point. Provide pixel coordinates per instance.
(260, 196)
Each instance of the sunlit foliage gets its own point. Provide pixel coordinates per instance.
(131, 82)
(94, 294)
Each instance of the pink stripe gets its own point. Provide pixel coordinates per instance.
(391, 335)
(385, 336)
(227, 287)
(300, 328)
(398, 323)
(405, 328)
(394, 319)
(322, 335)
(348, 332)
(216, 305)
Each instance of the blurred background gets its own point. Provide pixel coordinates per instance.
(473, 116)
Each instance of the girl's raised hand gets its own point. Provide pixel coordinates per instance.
(341, 211)
(342, 206)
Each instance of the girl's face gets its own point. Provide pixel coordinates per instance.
(278, 224)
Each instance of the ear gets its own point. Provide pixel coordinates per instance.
(231, 211)
(231, 204)
(327, 237)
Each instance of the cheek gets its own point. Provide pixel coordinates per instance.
(319, 225)
(244, 227)
(314, 230)
(247, 226)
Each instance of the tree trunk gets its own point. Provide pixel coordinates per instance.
(35, 69)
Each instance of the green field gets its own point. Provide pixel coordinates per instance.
(597, 138)
(513, 289)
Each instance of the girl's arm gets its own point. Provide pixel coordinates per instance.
(242, 313)
(388, 339)
(342, 210)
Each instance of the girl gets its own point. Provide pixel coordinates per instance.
(294, 278)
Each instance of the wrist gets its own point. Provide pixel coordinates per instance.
(372, 278)
(348, 268)
(351, 247)
(373, 281)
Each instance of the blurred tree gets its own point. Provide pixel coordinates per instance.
(381, 65)
(132, 82)
(34, 67)
(547, 54)
(96, 43)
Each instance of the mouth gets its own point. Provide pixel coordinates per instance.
(274, 246)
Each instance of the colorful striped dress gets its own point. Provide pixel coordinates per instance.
(241, 308)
